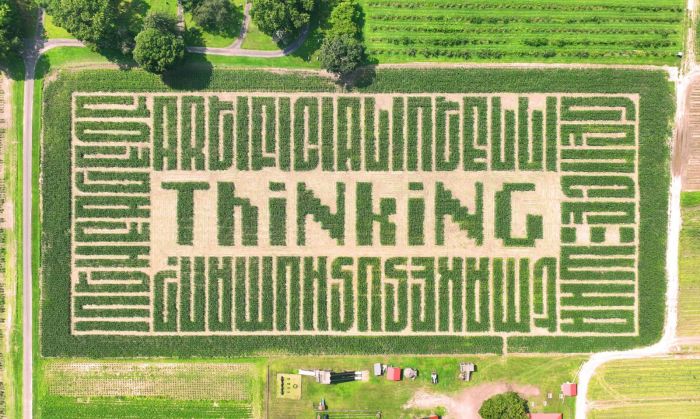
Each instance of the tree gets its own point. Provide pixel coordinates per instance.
(280, 18)
(91, 21)
(345, 19)
(341, 54)
(214, 15)
(504, 406)
(9, 28)
(160, 21)
(159, 45)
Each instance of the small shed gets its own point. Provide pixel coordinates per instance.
(393, 374)
(465, 370)
(545, 416)
(569, 389)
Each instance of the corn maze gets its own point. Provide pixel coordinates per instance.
(268, 216)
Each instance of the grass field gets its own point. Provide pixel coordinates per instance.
(53, 31)
(612, 31)
(546, 374)
(689, 267)
(256, 39)
(86, 388)
(11, 251)
(647, 388)
(654, 112)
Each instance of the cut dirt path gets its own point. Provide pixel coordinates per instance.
(466, 404)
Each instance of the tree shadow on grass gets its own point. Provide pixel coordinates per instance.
(194, 74)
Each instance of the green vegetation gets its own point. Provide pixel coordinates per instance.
(612, 31)
(224, 26)
(282, 20)
(689, 267)
(66, 385)
(504, 406)
(94, 22)
(11, 396)
(159, 45)
(55, 32)
(545, 373)
(162, 389)
(655, 107)
(257, 39)
(10, 28)
(342, 50)
(647, 388)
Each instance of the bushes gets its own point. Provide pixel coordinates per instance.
(159, 46)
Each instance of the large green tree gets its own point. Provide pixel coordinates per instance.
(504, 406)
(280, 18)
(345, 19)
(159, 45)
(9, 28)
(91, 21)
(341, 54)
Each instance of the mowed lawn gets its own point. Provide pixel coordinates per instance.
(389, 397)
(689, 267)
(605, 31)
(647, 388)
(151, 389)
(105, 388)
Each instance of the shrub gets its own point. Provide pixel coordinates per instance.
(214, 15)
(341, 55)
(504, 406)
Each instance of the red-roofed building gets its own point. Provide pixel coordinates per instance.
(393, 374)
(569, 389)
(545, 416)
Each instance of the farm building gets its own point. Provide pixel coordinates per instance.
(569, 389)
(545, 416)
(393, 374)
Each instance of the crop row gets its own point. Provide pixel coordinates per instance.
(465, 54)
(504, 20)
(533, 42)
(532, 30)
(521, 6)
